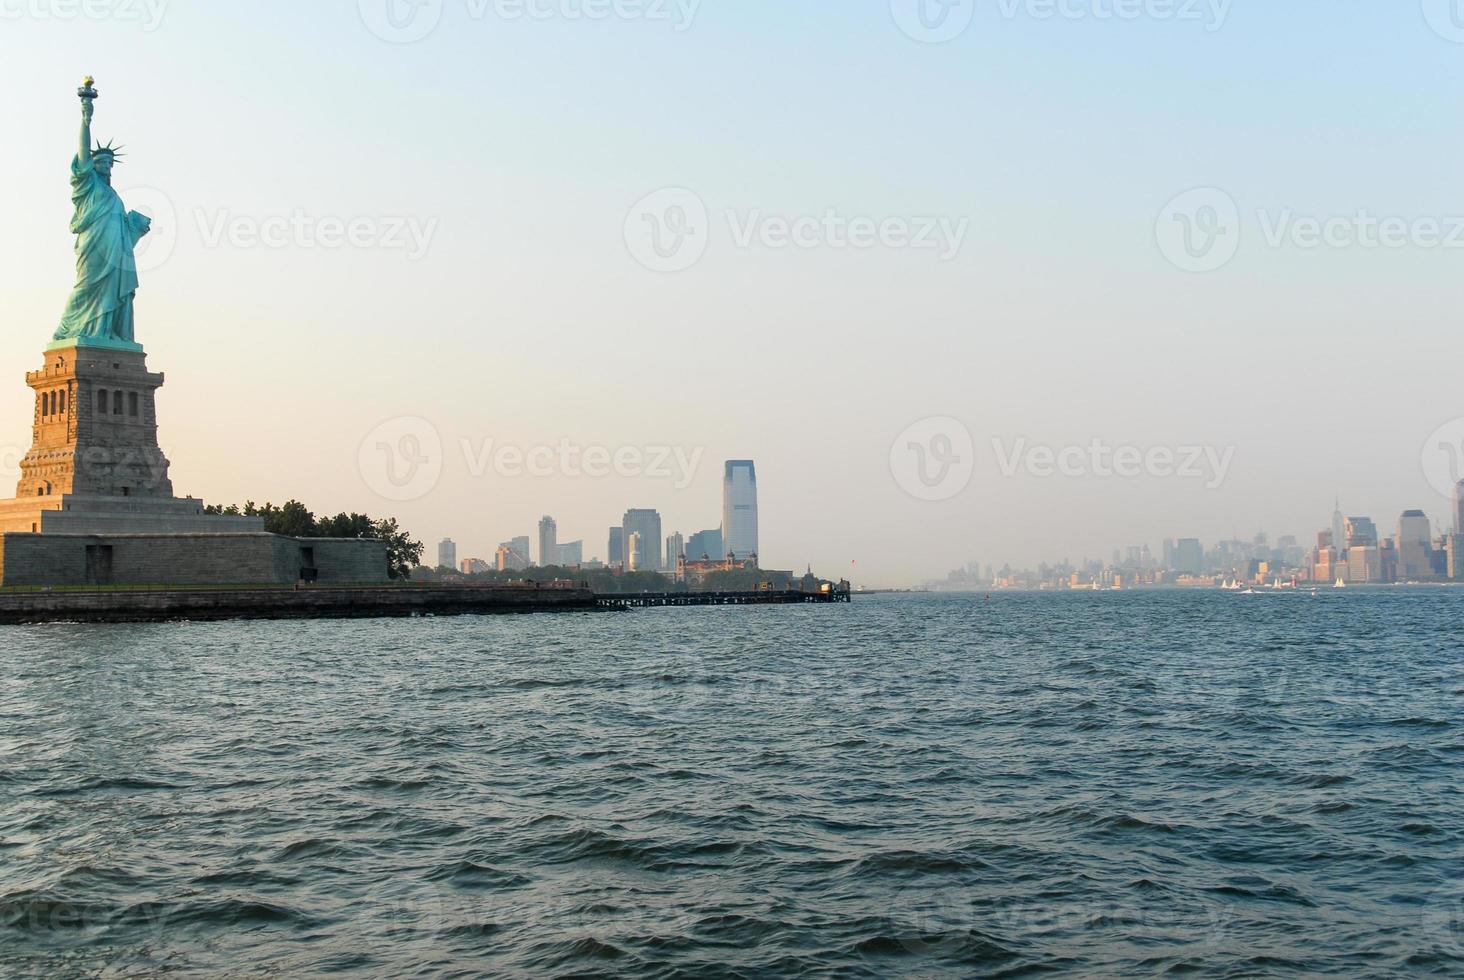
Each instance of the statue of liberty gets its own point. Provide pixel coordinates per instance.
(99, 312)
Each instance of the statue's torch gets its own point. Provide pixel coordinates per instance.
(87, 92)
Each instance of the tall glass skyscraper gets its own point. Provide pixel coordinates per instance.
(548, 542)
(739, 508)
(645, 555)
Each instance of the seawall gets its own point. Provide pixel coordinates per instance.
(316, 602)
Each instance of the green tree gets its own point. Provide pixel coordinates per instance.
(295, 520)
(402, 553)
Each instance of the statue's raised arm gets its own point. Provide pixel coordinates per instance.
(99, 312)
(88, 107)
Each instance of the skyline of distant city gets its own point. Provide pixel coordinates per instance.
(1419, 552)
(635, 544)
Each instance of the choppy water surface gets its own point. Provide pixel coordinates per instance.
(1103, 784)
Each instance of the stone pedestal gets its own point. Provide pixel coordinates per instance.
(95, 506)
(95, 432)
(95, 466)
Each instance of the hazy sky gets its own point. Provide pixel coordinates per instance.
(496, 285)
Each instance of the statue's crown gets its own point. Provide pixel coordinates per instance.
(112, 151)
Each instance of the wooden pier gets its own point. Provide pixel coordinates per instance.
(762, 597)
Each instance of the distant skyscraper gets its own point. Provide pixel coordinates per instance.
(705, 544)
(447, 554)
(1415, 546)
(510, 560)
(1360, 532)
(1454, 546)
(739, 508)
(548, 541)
(1364, 563)
(514, 555)
(647, 524)
(1189, 556)
(1459, 508)
(1339, 530)
(675, 548)
(570, 555)
(615, 550)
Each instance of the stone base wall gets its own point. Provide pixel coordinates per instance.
(73, 514)
(343, 560)
(184, 559)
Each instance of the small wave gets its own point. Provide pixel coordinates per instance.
(960, 945)
(915, 863)
(1264, 891)
(587, 844)
(314, 847)
(471, 874)
(576, 953)
(103, 785)
(541, 683)
(247, 878)
(391, 785)
(232, 911)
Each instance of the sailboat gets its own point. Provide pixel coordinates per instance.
(1340, 584)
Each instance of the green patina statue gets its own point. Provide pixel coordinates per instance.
(99, 313)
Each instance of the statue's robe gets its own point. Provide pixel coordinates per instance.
(106, 267)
